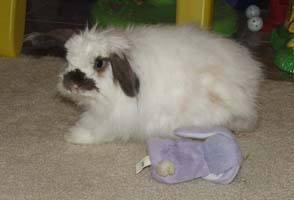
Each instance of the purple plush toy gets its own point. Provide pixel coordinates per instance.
(210, 153)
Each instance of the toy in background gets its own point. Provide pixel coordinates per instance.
(125, 12)
(291, 26)
(217, 15)
(282, 40)
(252, 11)
(12, 24)
(209, 153)
(254, 21)
(200, 12)
(277, 14)
(241, 4)
(225, 18)
(255, 24)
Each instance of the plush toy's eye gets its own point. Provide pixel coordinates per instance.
(99, 63)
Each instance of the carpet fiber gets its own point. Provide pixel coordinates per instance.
(36, 163)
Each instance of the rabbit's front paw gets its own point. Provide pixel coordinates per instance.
(78, 135)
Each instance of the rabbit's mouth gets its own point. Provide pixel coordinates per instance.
(77, 81)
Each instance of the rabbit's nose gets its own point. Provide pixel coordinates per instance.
(68, 83)
(76, 79)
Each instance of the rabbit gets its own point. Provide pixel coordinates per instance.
(145, 81)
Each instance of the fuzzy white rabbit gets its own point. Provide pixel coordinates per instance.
(149, 80)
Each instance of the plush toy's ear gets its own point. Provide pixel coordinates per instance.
(123, 73)
(221, 151)
(201, 132)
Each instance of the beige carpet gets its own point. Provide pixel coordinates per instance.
(35, 162)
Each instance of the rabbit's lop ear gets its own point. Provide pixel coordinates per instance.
(123, 73)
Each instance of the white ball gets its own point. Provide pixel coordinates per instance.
(255, 23)
(252, 11)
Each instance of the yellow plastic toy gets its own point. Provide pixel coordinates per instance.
(196, 11)
(12, 23)
(291, 25)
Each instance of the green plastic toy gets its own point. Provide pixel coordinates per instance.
(125, 12)
(225, 19)
(284, 58)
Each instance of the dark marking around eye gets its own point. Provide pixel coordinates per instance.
(79, 79)
(100, 64)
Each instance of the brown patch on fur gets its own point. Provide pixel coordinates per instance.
(215, 98)
(100, 74)
(213, 70)
(101, 71)
(184, 104)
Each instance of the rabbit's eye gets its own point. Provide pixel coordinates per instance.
(99, 63)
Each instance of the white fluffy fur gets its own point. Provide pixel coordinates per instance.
(187, 77)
